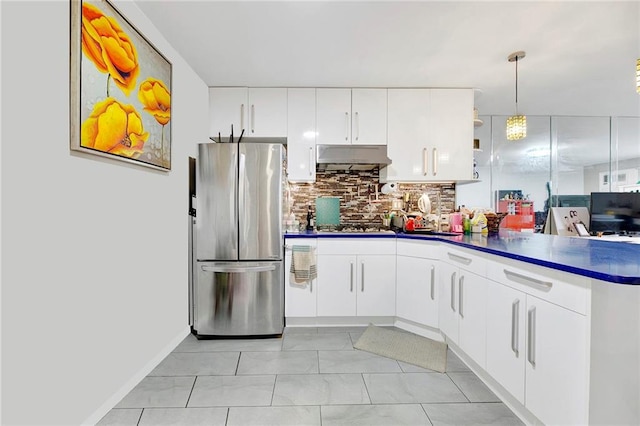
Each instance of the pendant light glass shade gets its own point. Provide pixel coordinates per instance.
(516, 124)
(638, 75)
(516, 127)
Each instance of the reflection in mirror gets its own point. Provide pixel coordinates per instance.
(580, 157)
(625, 153)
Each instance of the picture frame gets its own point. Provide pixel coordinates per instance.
(120, 88)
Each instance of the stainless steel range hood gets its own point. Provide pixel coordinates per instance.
(352, 157)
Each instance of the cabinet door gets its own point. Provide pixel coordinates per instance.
(472, 310)
(451, 134)
(556, 367)
(416, 294)
(333, 116)
(369, 116)
(376, 285)
(299, 300)
(301, 135)
(267, 112)
(227, 106)
(506, 354)
(337, 285)
(448, 309)
(408, 135)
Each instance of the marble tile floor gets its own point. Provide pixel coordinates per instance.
(310, 376)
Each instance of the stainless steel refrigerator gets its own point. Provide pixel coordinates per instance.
(238, 277)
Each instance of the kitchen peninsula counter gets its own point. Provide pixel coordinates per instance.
(615, 262)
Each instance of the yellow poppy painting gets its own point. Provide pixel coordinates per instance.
(120, 88)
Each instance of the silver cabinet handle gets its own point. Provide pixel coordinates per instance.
(532, 282)
(346, 135)
(241, 116)
(310, 286)
(531, 338)
(460, 291)
(357, 126)
(435, 161)
(311, 162)
(351, 288)
(362, 276)
(238, 269)
(433, 279)
(515, 324)
(459, 259)
(424, 161)
(253, 118)
(453, 292)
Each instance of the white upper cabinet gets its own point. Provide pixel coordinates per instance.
(369, 116)
(261, 112)
(351, 116)
(408, 137)
(301, 135)
(430, 135)
(451, 134)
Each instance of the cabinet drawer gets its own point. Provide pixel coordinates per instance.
(421, 249)
(464, 259)
(561, 288)
(356, 246)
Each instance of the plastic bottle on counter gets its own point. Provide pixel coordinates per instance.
(466, 224)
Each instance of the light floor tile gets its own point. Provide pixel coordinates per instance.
(320, 389)
(197, 363)
(232, 391)
(374, 415)
(473, 388)
(183, 417)
(274, 416)
(355, 337)
(471, 414)
(454, 363)
(411, 388)
(121, 417)
(301, 330)
(192, 344)
(159, 392)
(355, 362)
(342, 329)
(319, 342)
(410, 368)
(285, 362)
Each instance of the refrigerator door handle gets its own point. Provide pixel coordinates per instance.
(236, 269)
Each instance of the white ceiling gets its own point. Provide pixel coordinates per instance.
(581, 55)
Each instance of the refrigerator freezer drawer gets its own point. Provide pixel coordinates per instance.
(239, 299)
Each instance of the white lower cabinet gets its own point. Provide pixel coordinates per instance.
(350, 285)
(556, 384)
(300, 300)
(462, 310)
(506, 351)
(537, 350)
(416, 290)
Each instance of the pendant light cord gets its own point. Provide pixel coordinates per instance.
(516, 84)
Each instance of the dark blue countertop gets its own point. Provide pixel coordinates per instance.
(616, 262)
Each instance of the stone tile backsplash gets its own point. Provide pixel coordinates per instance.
(357, 192)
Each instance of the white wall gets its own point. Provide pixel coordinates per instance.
(94, 251)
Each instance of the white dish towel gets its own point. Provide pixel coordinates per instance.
(303, 265)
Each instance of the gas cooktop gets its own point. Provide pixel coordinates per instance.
(353, 229)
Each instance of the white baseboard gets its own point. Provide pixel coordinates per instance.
(137, 378)
(337, 321)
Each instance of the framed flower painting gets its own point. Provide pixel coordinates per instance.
(120, 88)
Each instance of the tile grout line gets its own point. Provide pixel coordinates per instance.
(140, 417)
(425, 413)
(226, 419)
(191, 392)
(366, 389)
(456, 385)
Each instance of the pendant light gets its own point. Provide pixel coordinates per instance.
(516, 124)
